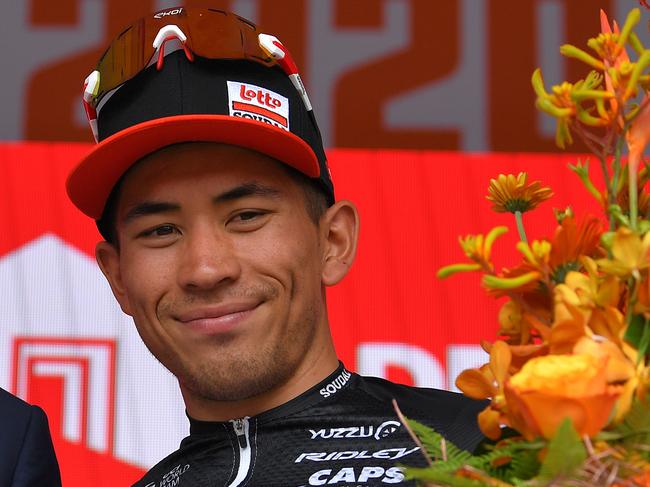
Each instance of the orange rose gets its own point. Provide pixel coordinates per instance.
(550, 388)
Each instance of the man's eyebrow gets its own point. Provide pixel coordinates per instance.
(149, 208)
(247, 189)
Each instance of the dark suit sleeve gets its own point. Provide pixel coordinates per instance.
(37, 465)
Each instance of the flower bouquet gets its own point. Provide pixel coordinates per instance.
(568, 379)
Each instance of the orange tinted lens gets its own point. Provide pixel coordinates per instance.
(124, 58)
(211, 33)
(216, 34)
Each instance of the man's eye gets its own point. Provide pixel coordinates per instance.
(247, 215)
(248, 219)
(161, 231)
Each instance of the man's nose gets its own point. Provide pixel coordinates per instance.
(208, 259)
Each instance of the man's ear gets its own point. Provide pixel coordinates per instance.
(340, 231)
(108, 258)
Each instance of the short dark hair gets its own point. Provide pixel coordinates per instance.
(316, 202)
(315, 194)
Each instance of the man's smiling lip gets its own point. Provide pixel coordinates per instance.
(217, 319)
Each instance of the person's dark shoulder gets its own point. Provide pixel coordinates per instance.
(451, 414)
(15, 416)
(15, 405)
(26, 451)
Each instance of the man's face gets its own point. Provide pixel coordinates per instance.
(220, 266)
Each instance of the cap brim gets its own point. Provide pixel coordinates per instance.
(91, 182)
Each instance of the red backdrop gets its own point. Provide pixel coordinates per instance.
(390, 316)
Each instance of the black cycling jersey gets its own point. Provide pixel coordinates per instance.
(343, 432)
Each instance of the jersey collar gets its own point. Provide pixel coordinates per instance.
(329, 387)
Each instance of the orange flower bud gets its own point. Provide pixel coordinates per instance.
(488, 422)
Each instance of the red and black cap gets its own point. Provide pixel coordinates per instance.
(238, 102)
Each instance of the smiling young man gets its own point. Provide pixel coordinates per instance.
(211, 188)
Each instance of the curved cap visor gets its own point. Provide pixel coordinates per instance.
(91, 182)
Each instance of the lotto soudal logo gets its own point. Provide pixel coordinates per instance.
(166, 13)
(388, 454)
(336, 385)
(256, 103)
(382, 431)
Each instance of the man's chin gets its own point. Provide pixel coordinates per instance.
(234, 380)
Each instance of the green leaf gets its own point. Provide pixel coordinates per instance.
(635, 427)
(635, 331)
(433, 443)
(644, 226)
(644, 344)
(524, 465)
(565, 453)
(638, 418)
(608, 436)
(444, 478)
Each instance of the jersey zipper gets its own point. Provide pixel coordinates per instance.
(242, 428)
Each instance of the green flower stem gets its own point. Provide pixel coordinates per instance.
(616, 169)
(629, 311)
(617, 161)
(644, 343)
(611, 196)
(608, 182)
(633, 199)
(520, 226)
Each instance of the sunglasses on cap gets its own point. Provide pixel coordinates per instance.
(205, 32)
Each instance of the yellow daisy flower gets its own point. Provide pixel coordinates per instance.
(514, 194)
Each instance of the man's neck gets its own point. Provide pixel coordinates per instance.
(307, 375)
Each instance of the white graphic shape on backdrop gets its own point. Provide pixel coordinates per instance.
(51, 291)
(375, 358)
(87, 370)
(72, 409)
(461, 357)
